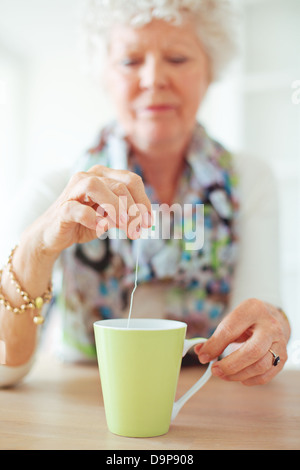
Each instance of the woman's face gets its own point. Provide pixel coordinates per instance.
(157, 76)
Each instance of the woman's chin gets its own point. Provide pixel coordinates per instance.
(157, 134)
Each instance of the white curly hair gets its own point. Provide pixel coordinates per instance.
(215, 22)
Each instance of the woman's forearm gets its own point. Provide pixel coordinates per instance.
(33, 269)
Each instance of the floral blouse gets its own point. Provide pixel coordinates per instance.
(98, 277)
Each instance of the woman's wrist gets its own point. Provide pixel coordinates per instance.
(29, 304)
(33, 265)
(32, 269)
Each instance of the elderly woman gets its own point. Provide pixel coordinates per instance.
(161, 58)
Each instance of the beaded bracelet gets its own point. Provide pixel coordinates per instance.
(30, 304)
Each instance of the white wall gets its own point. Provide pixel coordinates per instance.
(12, 118)
(271, 127)
(65, 112)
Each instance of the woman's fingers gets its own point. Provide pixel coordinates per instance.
(112, 199)
(135, 187)
(252, 362)
(127, 212)
(231, 328)
(235, 371)
(259, 373)
(250, 352)
(262, 371)
(93, 202)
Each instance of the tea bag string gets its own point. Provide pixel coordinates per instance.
(135, 282)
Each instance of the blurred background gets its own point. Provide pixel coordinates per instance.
(51, 111)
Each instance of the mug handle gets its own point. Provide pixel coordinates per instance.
(188, 343)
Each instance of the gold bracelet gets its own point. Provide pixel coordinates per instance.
(30, 304)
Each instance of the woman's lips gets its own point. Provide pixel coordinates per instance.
(158, 109)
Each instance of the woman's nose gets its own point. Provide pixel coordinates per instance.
(153, 74)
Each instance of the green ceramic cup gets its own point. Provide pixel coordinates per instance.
(139, 368)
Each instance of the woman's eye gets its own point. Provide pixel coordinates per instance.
(177, 59)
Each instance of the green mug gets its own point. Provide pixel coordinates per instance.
(139, 368)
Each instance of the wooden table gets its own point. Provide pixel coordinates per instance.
(60, 406)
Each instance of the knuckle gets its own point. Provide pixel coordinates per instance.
(275, 328)
(119, 187)
(137, 178)
(230, 368)
(134, 180)
(92, 183)
(96, 168)
(248, 302)
(253, 304)
(225, 330)
(78, 176)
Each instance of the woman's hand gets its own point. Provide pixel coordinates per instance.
(259, 327)
(92, 202)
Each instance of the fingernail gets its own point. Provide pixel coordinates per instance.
(204, 358)
(147, 220)
(198, 348)
(136, 233)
